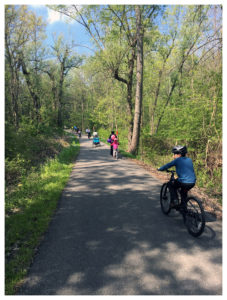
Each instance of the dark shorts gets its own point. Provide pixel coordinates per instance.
(184, 188)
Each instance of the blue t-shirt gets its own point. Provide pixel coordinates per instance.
(184, 168)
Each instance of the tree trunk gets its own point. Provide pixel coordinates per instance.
(33, 94)
(158, 87)
(139, 83)
(129, 95)
(155, 103)
(14, 87)
(129, 83)
(14, 90)
(166, 104)
(60, 94)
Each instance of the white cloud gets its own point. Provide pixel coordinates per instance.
(54, 16)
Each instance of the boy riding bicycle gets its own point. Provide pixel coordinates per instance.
(185, 172)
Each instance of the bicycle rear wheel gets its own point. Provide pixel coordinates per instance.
(165, 199)
(194, 216)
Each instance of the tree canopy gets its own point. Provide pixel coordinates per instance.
(155, 75)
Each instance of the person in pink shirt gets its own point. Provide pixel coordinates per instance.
(110, 140)
(115, 147)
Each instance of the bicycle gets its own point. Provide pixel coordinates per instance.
(191, 208)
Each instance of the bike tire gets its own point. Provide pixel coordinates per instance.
(165, 199)
(194, 216)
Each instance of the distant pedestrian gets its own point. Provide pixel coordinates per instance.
(88, 131)
(111, 138)
(115, 147)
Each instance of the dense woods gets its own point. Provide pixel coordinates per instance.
(155, 75)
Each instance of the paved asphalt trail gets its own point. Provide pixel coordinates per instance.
(109, 237)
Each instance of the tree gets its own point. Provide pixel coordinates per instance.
(139, 82)
(188, 37)
(23, 36)
(31, 60)
(16, 36)
(95, 19)
(66, 60)
(110, 26)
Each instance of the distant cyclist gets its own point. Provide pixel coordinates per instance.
(185, 172)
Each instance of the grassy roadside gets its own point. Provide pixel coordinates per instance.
(28, 211)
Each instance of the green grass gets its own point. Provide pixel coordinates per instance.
(127, 154)
(29, 209)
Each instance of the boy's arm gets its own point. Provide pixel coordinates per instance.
(167, 166)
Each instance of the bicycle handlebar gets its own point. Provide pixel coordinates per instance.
(170, 171)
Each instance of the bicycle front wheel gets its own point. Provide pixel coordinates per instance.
(194, 216)
(165, 199)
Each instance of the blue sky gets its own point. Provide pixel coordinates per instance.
(60, 24)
